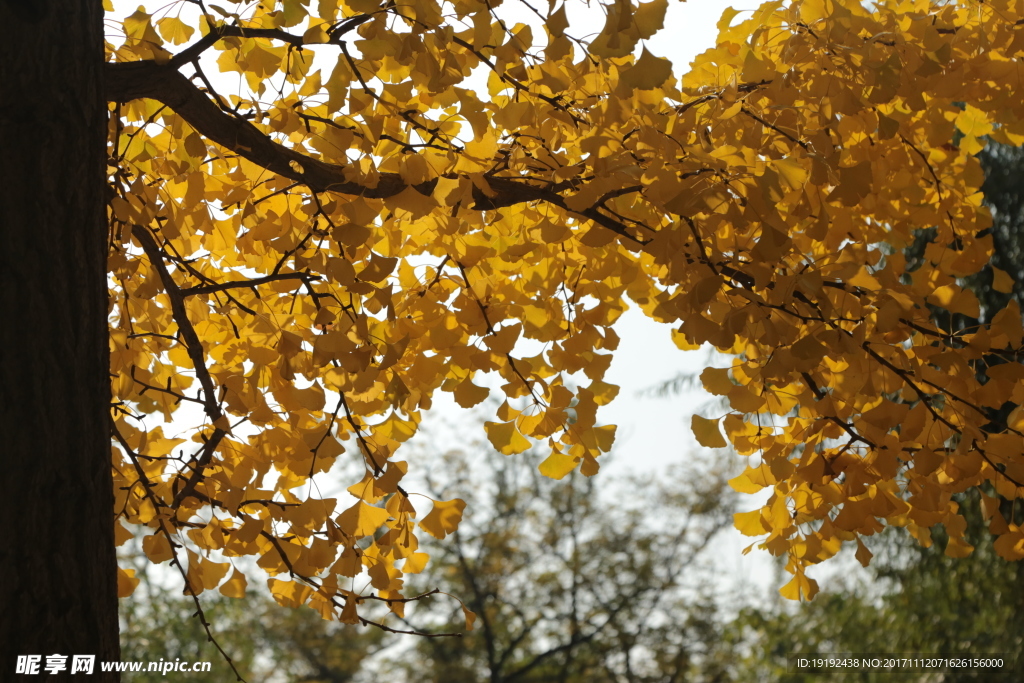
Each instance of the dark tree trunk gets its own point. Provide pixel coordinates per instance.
(58, 592)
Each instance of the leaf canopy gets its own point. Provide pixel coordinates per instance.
(307, 260)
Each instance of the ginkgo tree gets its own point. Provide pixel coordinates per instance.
(308, 259)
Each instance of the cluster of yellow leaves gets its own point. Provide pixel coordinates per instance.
(759, 204)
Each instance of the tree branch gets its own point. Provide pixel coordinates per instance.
(230, 284)
(194, 348)
(192, 52)
(146, 79)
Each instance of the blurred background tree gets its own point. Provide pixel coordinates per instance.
(619, 594)
(572, 583)
(266, 643)
(583, 579)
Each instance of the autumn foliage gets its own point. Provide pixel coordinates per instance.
(306, 261)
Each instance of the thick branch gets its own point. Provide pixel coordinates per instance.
(231, 284)
(195, 352)
(147, 79)
(193, 51)
(191, 340)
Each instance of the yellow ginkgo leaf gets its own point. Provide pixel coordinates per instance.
(743, 484)
(973, 122)
(470, 617)
(412, 202)
(349, 615)
(444, 518)
(1001, 281)
(174, 30)
(800, 588)
(863, 555)
(468, 394)
(749, 523)
(792, 173)
(557, 465)
(211, 573)
(1010, 545)
(681, 341)
(557, 22)
(958, 547)
(707, 432)
(506, 438)
(126, 582)
(415, 563)
(289, 593)
(235, 586)
(716, 381)
(121, 534)
(361, 519)
(157, 548)
(649, 17)
(648, 73)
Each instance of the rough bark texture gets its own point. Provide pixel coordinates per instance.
(57, 566)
